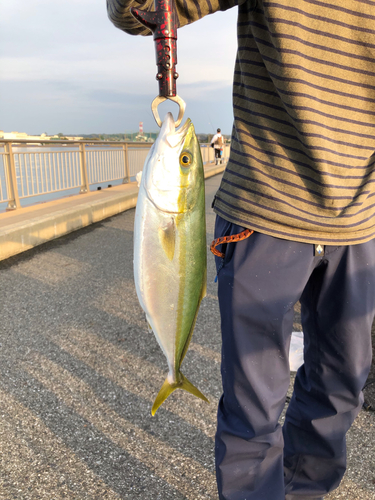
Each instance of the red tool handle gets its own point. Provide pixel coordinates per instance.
(163, 24)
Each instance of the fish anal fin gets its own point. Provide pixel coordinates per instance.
(188, 339)
(204, 290)
(167, 237)
(149, 327)
(168, 387)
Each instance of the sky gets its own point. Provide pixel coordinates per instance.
(64, 67)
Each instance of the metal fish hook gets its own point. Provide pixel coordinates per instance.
(163, 24)
(159, 99)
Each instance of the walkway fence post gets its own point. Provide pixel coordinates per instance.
(12, 187)
(84, 177)
(126, 179)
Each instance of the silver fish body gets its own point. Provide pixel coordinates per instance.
(170, 246)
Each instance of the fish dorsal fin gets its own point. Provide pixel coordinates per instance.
(167, 237)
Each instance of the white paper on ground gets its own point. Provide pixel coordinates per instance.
(296, 351)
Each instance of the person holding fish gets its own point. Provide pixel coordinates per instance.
(295, 222)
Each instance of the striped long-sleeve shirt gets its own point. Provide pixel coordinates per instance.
(302, 156)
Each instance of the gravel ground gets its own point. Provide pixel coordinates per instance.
(79, 372)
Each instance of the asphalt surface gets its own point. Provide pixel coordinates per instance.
(79, 373)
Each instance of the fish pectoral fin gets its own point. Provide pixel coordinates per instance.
(167, 237)
(168, 387)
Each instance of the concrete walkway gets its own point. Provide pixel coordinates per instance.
(79, 372)
(28, 227)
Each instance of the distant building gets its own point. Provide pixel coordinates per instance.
(42, 137)
(66, 137)
(141, 137)
(22, 135)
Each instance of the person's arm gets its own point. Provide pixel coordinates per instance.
(187, 11)
(119, 13)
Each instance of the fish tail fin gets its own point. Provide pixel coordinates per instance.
(189, 387)
(166, 390)
(168, 387)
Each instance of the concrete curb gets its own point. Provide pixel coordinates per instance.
(29, 227)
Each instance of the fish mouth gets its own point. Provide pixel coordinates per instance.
(176, 137)
(168, 132)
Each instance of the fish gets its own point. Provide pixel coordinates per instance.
(170, 259)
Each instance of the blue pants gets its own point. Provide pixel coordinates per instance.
(260, 280)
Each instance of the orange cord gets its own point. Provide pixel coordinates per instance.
(229, 239)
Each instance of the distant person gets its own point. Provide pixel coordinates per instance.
(217, 143)
(298, 196)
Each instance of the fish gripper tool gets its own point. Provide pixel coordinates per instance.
(163, 24)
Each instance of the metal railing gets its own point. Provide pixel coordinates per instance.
(31, 168)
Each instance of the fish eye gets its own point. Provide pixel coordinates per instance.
(185, 159)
